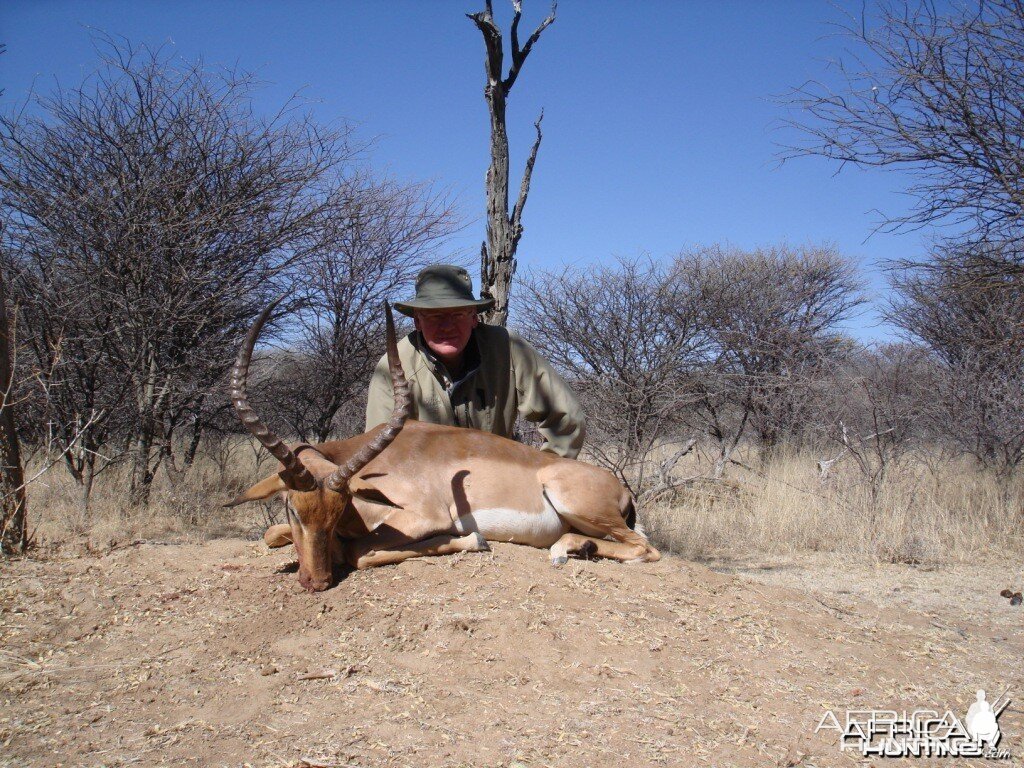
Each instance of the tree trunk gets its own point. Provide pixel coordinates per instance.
(193, 445)
(504, 229)
(142, 475)
(85, 497)
(13, 509)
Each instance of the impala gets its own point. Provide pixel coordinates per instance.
(408, 489)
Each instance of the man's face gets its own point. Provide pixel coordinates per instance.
(446, 331)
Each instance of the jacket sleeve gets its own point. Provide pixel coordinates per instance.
(547, 401)
(381, 398)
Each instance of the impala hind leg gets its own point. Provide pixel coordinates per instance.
(628, 545)
(594, 503)
(572, 545)
(437, 545)
(587, 547)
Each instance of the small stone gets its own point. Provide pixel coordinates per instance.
(269, 669)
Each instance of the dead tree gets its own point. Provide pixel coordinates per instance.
(12, 478)
(504, 229)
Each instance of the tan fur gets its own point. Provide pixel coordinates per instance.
(436, 545)
(278, 536)
(435, 482)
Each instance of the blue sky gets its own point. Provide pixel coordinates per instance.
(660, 125)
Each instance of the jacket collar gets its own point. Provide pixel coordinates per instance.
(473, 357)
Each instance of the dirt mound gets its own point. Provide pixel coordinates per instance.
(210, 655)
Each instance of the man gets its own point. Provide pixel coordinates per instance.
(468, 374)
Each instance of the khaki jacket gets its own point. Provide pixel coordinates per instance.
(505, 377)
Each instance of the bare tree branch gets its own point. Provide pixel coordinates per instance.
(935, 90)
(151, 213)
(524, 187)
(504, 230)
(519, 55)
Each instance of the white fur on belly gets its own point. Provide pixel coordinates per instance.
(538, 529)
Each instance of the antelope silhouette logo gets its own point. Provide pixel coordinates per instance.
(982, 716)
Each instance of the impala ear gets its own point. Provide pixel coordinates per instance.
(264, 489)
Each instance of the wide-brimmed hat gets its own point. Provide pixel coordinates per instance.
(443, 286)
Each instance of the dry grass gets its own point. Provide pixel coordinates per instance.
(189, 511)
(921, 514)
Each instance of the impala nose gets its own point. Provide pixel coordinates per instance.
(313, 584)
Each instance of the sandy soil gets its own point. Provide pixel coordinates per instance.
(211, 655)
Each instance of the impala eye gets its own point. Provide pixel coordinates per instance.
(291, 514)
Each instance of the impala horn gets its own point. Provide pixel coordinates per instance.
(338, 480)
(295, 475)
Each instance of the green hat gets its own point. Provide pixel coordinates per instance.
(443, 286)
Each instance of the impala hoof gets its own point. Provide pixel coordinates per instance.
(481, 542)
(560, 560)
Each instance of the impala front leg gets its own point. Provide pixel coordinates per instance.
(278, 536)
(400, 529)
(436, 545)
